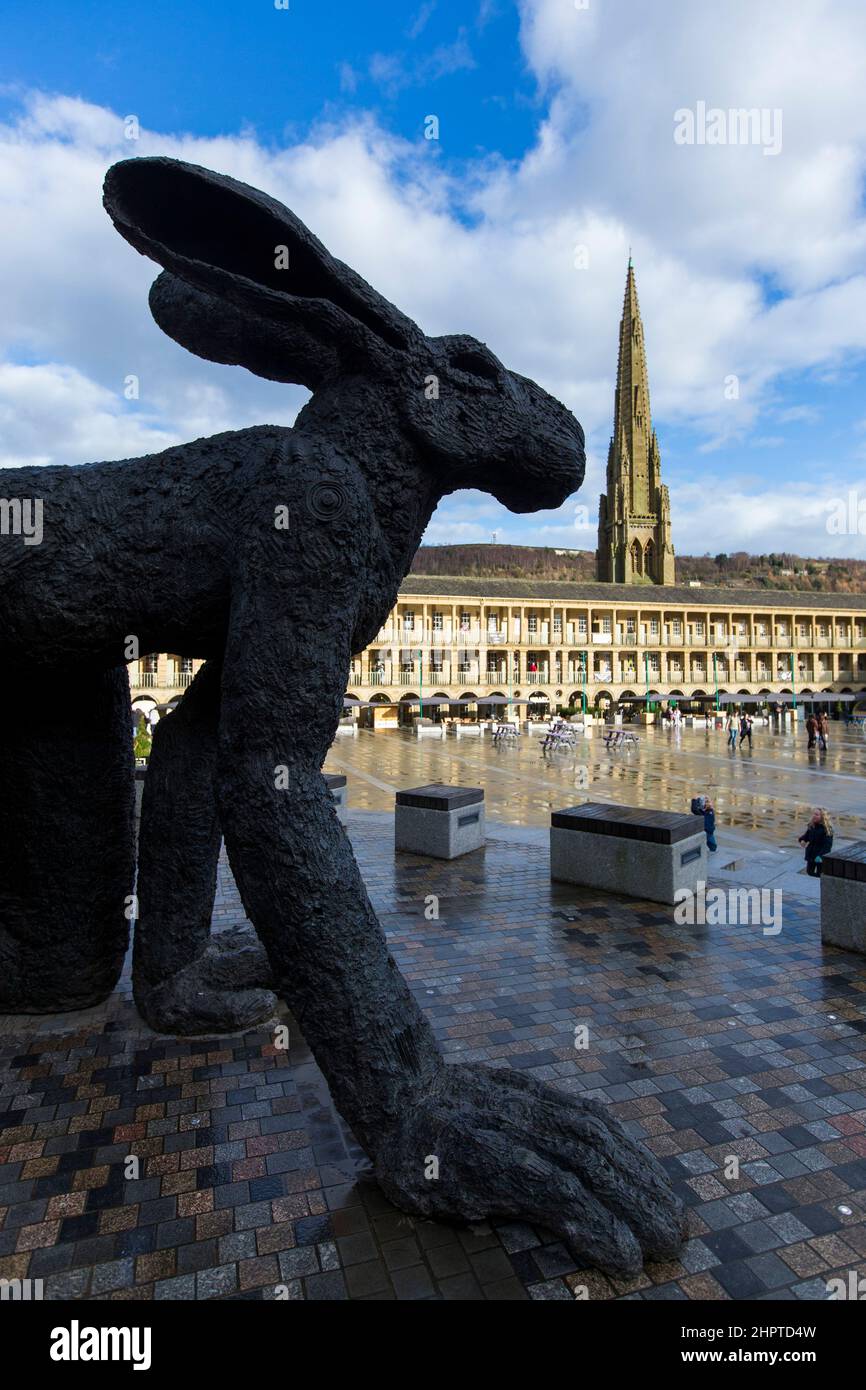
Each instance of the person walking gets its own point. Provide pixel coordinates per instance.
(818, 841)
(812, 730)
(731, 730)
(745, 730)
(823, 731)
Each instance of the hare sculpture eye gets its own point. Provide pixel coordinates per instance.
(477, 365)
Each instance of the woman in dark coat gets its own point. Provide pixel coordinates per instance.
(818, 840)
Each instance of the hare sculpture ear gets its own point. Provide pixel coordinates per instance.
(245, 282)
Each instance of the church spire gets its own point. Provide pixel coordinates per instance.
(634, 530)
(632, 423)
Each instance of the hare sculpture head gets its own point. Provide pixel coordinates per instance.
(245, 282)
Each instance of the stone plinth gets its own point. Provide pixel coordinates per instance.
(643, 854)
(338, 786)
(140, 775)
(440, 821)
(843, 898)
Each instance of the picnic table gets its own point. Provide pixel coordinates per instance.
(620, 738)
(559, 735)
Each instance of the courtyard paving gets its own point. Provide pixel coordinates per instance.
(709, 1043)
(763, 795)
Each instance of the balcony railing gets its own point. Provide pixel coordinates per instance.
(147, 680)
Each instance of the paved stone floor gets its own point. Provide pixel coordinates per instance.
(708, 1042)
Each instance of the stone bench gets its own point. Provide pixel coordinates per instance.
(347, 728)
(339, 789)
(467, 730)
(843, 898)
(440, 821)
(643, 854)
(427, 728)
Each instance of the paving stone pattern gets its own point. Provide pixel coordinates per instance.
(707, 1042)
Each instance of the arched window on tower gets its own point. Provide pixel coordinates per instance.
(649, 558)
(636, 557)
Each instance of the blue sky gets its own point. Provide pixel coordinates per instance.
(217, 66)
(555, 133)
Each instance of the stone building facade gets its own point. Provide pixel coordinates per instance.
(554, 643)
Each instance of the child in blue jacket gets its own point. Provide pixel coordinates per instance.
(702, 806)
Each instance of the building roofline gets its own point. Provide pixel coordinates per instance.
(627, 595)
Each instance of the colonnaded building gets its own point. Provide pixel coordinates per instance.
(632, 638)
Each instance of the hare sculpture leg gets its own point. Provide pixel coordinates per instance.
(66, 837)
(446, 1140)
(185, 980)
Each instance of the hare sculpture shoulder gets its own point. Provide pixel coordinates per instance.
(275, 554)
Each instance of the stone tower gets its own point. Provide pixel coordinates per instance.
(634, 515)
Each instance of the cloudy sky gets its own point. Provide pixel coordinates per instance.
(561, 143)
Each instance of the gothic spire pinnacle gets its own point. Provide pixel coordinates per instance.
(636, 547)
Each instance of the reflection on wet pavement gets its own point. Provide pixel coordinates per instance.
(764, 794)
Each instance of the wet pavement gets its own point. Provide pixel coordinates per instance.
(737, 1056)
(763, 795)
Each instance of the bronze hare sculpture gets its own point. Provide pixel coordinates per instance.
(275, 554)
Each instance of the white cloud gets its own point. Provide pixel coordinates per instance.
(421, 19)
(55, 414)
(348, 78)
(805, 414)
